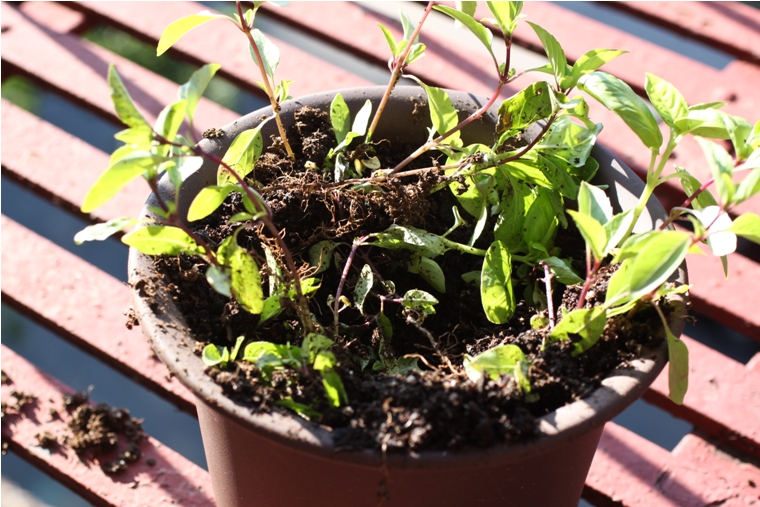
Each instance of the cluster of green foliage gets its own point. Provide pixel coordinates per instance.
(525, 191)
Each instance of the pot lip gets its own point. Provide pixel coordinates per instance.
(169, 338)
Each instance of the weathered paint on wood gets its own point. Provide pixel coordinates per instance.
(83, 305)
(723, 400)
(171, 480)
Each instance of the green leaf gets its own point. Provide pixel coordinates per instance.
(593, 202)
(362, 119)
(690, 185)
(270, 54)
(214, 355)
(506, 14)
(722, 169)
(483, 34)
(716, 222)
(509, 224)
(313, 345)
(192, 91)
(678, 367)
(236, 349)
(176, 30)
(432, 273)
(397, 237)
(246, 281)
(162, 240)
(170, 119)
(241, 156)
(747, 226)
(703, 123)
(618, 286)
(219, 279)
(657, 260)
(540, 225)
(500, 360)
(320, 255)
(554, 51)
(125, 108)
(563, 271)
(99, 232)
(593, 233)
(299, 408)
(339, 116)
(666, 99)
(618, 97)
(592, 60)
(363, 286)
(334, 389)
(749, 187)
(616, 229)
(420, 301)
(524, 109)
(417, 52)
(208, 200)
(586, 323)
(408, 26)
(442, 112)
(390, 39)
(496, 284)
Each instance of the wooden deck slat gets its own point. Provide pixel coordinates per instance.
(62, 168)
(220, 42)
(729, 26)
(630, 471)
(77, 69)
(443, 65)
(83, 305)
(723, 400)
(172, 480)
(727, 301)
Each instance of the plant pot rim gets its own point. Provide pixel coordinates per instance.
(170, 338)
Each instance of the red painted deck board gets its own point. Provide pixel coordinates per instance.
(726, 300)
(220, 42)
(730, 26)
(77, 69)
(62, 168)
(723, 400)
(172, 480)
(629, 471)
(83, 305)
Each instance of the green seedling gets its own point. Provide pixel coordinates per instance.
(509, 200)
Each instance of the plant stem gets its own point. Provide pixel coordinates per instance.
(590, 277)
(266, 218)
(270, 93)
(497, 161)
(398, 67)
(435, 142)
(453, 245)
(343, 276)
(177, 222)
(653, 180)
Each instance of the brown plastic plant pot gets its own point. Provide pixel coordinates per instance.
(278, 459)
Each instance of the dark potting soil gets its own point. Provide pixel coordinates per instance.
(435, 407)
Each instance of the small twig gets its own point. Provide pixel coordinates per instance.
(549, 298)
(430, 337)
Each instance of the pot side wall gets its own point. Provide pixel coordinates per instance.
(275, 475)
(269, 459)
